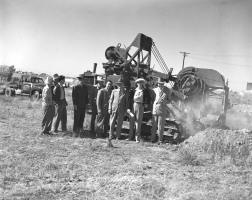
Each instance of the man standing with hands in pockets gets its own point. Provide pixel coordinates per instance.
(118, 105)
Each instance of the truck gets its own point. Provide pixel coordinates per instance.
(26, 85)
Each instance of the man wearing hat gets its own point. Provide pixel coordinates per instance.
(162, 97)
(47, 106)
(118, 105)
(55, 79)
(102, 102)
(60, 105)
(54, 83)
(138, 99)
(93, 90)
(80, 101)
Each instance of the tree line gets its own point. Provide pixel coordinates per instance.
(7, 71)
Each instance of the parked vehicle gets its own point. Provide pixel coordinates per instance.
(27, 85)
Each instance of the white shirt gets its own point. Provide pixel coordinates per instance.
(138, 96)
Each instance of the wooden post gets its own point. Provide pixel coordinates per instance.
(225, 105)
(185, 54)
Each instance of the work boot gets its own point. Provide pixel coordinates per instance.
(110, 143)
(137, 139)
(76, 134)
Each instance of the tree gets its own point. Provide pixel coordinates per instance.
(7, 71)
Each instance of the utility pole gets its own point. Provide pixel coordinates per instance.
(185, 54)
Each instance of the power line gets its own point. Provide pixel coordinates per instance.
(219, 62)
(220, 55)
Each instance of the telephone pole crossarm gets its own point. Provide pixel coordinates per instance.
(185, 54)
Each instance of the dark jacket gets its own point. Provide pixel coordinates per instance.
(57, 93)
(80, 96)
(52, 87)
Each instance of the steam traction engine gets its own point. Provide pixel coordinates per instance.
(191, 88)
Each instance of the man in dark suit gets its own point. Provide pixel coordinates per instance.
(118, 105)
(102, 102)
(80, 100)
(60, 105)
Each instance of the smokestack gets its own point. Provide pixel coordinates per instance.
(94, 68)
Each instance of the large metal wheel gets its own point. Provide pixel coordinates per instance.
(35, 95)
(173, 131)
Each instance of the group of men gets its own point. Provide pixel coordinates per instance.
(54, 105)
(97, 97)
(107, 107)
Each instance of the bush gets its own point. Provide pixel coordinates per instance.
(188, 156)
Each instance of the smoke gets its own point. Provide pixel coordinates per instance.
(239, 117)
(197, 115)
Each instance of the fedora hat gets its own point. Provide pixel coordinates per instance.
(61, 77)
(140, 80)
(81, 76)
(49, 80)
(160, 81)
(55, 76)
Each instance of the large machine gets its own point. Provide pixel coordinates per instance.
(192, 88)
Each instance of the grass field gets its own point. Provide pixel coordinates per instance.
(62, 167)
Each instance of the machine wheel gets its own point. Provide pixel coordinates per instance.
(9, 92)
(173, 131)
(35, 95)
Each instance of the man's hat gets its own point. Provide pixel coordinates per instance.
(49, 80)
(55, 76)
(81, 76)
(140, 80)
(160, 81)
(61, 77)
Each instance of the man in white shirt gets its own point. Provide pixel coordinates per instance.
(138, 110)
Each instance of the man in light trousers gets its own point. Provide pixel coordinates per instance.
(138, 110)
(162, 97)
(118, 105)
(47, 106)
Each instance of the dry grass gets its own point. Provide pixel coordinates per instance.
(233, 147)
(63, 167)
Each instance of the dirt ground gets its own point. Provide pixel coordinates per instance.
(213, 164)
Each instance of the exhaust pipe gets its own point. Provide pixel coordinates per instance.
(94, 68)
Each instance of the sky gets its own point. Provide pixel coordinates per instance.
(68, 36)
